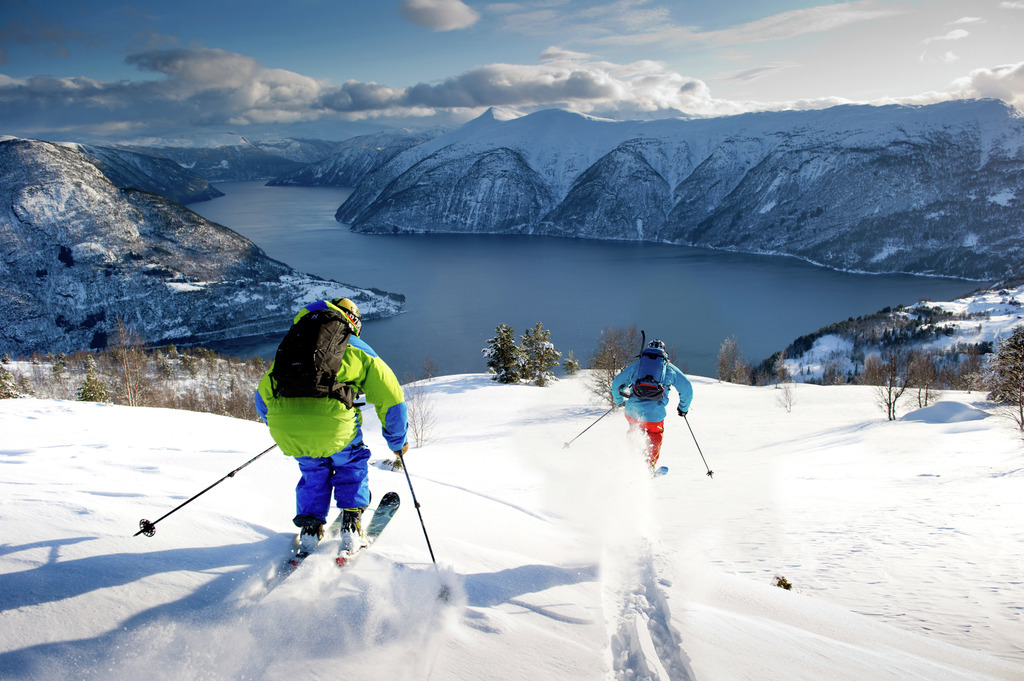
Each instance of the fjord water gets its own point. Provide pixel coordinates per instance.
(458, 288)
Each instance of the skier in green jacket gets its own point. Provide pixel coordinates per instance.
(325, 435)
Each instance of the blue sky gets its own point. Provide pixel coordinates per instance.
(135, 68)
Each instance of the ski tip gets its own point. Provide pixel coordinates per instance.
(341, 560)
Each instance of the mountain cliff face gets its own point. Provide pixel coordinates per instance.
(928, 190)
(235, 158)
(77, 253)
(353, 159)
(150, 172)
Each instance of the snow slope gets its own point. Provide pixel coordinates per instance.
(902, 540)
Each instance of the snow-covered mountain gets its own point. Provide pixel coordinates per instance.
(150, 172)
(923, 189)
(232, 158)
(80, 253)
(354, 159)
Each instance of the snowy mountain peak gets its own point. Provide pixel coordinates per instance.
(920, 189)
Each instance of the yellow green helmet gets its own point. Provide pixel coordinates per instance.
(351, 311)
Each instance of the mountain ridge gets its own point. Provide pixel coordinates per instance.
(911, 189)
(80, 254)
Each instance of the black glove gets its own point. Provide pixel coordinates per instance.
(679, 410)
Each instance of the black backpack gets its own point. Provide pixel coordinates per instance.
(650, 382)
(309, 357)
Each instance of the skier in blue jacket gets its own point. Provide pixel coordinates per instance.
(644, 387)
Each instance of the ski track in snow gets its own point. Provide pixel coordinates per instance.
(644, 644)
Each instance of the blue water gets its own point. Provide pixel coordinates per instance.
(458, 288)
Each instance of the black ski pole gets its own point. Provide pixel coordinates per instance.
(445, 593)
(566, 446)
(417, 505)
(711, 473)
(149, 528)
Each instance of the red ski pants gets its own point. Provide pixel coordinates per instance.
(653, 432)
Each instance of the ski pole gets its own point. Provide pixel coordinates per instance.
(417, 505)
(711, 473)
(149, 528)
(445, 593)
(566, 446)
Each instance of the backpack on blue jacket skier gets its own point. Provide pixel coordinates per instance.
(650, 374)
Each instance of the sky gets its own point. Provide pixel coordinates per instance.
(136, 68)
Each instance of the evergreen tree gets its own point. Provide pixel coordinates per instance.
(539, 355)
(8, 385)
(93, 388)
(1006, 378)
(504, 358)
(570, 364)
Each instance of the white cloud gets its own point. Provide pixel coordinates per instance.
(1002, 82)
(1012, 5)
(956, 34)
(947, 58)
(558, 54)
(212, 87)
(439, 15)
(640, 22)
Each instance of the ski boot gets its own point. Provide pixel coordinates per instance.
(353, 537)
(309, 537)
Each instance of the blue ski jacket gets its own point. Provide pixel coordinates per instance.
(649, 410)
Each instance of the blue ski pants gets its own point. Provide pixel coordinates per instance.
(344, 472)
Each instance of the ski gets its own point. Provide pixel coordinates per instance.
(383, 514)
(660, 471)
(381, 517)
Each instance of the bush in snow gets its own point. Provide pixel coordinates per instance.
(783, 583)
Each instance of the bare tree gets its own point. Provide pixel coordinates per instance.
(731, 367)
(422, 415)
(1006, 378)
(429, 368)
(923, 376)
(616, 348)
(130, 358)
(888, 373)
(782, 373)
(833, 369)
(786, 396)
